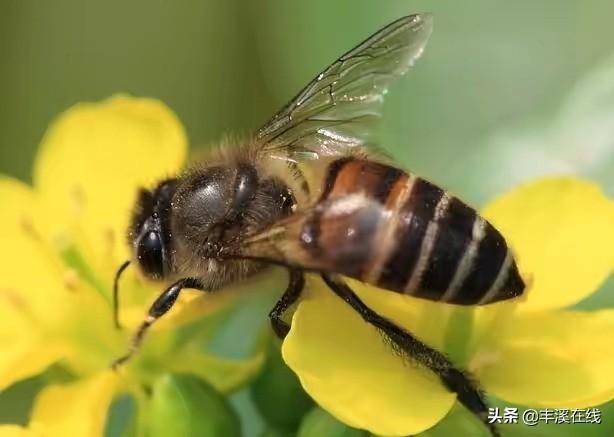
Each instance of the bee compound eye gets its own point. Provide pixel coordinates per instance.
(150, 254)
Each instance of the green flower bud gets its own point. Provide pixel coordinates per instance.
(183, 405)
(278, 395)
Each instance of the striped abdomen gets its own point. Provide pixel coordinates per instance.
(397, 231)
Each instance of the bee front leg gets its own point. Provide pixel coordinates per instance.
(162, 304)
(293, 291)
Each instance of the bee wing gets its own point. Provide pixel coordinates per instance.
(335, 113)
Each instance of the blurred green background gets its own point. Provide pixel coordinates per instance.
(505, 91)
(492, 69)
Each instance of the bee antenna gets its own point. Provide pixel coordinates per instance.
(119, 272)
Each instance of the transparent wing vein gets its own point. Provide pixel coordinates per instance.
(336, 112)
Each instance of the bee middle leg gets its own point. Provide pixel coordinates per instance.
(293, 291)
(409, 346)
(162, 304)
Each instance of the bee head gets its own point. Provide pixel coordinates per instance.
(149, 233)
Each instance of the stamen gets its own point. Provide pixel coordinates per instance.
(77, 197)
(72, 280)
(109, 237)
(14, 299)
(73, 258)
(45, 249)
(109, 248)
(28, 228)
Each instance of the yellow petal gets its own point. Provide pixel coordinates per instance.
(76, 409)
(17, 431)
(562, 232)
(25, 357)
(345, 365)
(32, 295)
(550, 359)
(93, 158)
(31, 278)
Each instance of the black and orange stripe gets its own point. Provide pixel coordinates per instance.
(397, 231)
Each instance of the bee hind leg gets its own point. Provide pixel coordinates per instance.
(162, 304)
(293, 291)
(410, 347)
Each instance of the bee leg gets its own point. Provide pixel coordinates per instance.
(162, 304)
(406, 344)
(292, 293)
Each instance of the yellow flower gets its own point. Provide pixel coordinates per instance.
(62, 240)
(533, 352)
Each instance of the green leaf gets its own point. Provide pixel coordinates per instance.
(277, 393)
(319, 423)
(16, 400)
(183, 406)
(121, 418)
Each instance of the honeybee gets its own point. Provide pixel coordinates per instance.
(309, 192)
